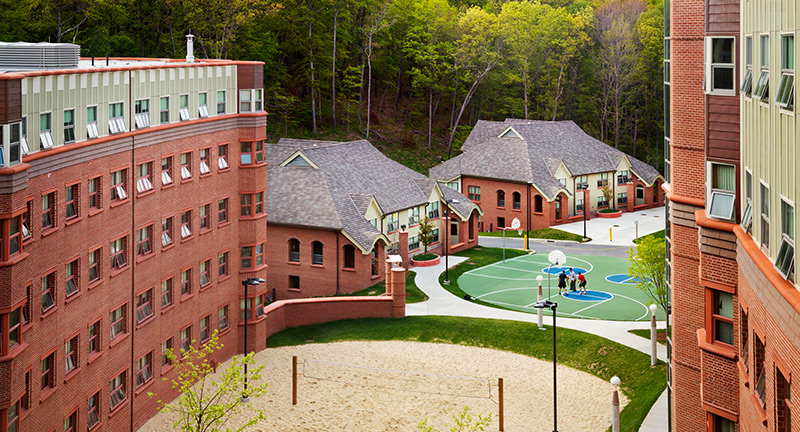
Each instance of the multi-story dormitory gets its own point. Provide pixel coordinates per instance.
(732, 146)
(131, 209)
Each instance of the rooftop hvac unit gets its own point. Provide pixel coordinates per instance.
(38, 56)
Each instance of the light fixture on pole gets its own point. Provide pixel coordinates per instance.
(552, 306)
(246, 283)
(539, 280)
(653, 344)
(446, 235)
(615, 404)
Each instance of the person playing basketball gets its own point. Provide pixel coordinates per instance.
(562, 282)
(582, 283)
(572, 278)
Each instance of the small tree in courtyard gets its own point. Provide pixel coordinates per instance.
(425, 232)
(608, 194)
(648, 269)
(205, 404)
(463, 423)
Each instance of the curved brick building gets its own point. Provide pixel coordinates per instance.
(732, 147)
(131, 207)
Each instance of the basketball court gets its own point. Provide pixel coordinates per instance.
(611, 293)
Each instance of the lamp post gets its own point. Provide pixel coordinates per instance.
(653, 344)
(446, 238)
(585, 204)
(246, 283)
(615, 404)
(539, 279)
(552, 306)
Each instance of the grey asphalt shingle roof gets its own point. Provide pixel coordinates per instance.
(535, 158)
(338, 193)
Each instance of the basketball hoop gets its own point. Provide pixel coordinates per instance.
(515, 224)
(519, 231)
(557, 258)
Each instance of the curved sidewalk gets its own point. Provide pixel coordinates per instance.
(441, 302)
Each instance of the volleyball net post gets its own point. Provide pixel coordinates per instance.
(294, 380)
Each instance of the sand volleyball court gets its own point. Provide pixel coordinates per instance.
(392, 386)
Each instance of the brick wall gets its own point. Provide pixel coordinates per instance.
(317, 280)
(50, 251)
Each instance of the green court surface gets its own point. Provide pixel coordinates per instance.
(612, 295)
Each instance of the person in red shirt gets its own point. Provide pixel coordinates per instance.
(582, 283)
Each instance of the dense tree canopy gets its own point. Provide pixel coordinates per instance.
(415, 72)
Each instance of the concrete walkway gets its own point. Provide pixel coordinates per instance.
(441, 302)
(623, 228)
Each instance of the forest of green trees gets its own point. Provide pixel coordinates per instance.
(409, 73)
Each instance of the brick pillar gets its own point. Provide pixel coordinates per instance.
(587, 203)
(631, 195)
(398, 292)
(388, 277)
(403, 240)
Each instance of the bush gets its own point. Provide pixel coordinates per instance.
(609, 210)
(424, 257)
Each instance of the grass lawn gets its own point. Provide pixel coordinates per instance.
(545, 233)
(479, 256)
(413, 294)
(595, 355)
(657, 234)
(661, 334)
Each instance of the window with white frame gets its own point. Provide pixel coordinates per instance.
(164, 110)
(116, 118)
(258, 100)
(413, 243)
(245, 101)
(183, 107)
(723, 191)
(747, 81)
(92, 131)
(392, 222)
(142, 117)
(765, 216)
(45, 134)
(413, 216)
(761, 90)
(582, 182)
(622, 177)
(719, 65)
(69, 126)
(221, 102)
(433, 210)
(784, 262)
(785, 95)
(602, 180)
(747, 214)
(202, 102)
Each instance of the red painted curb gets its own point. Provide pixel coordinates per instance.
(609, 215)
(427, 263)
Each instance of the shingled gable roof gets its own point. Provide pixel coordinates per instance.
(534, 160)
(336, 195)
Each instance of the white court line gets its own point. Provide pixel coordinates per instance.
(596, 304)
(507, 289)
(525, 307)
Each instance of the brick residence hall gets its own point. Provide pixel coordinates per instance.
(356, 204)
(542, 172)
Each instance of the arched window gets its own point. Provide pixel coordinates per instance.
(349, 257)
(501, 198)
(316, 253)
(537, 201)
(517, 204)
(375, 260)
(294, 250)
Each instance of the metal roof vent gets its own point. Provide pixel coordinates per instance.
(38, 56)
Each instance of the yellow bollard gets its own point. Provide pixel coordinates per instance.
(526, 241)
(609, 234)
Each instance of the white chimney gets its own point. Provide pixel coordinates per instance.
(190, 48)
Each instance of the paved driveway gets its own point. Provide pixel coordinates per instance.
(623, 228)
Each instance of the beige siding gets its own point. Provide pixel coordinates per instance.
(769, 140)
